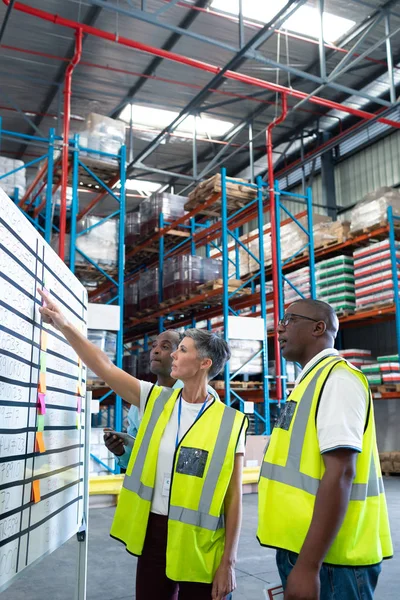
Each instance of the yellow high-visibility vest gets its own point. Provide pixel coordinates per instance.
(292, 471)
(202, 469)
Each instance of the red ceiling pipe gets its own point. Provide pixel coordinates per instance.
(197, 64)
(65, 148)
(274, 234)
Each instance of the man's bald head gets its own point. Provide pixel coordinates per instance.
(161, 350)
(321, 311)
(309, 326)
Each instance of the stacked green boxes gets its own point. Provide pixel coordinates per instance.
(335, 282)
(372, 373)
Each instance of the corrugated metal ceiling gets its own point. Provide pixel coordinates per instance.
(108, 70)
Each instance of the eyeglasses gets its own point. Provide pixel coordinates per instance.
(284, 322)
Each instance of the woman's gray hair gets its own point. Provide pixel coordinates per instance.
(210, 345)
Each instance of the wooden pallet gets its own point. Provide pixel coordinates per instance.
(237, 195)
(376, 306)
(238, 385)
(233, 284)
(388, 387)
(344, 313)
(95, 384)
(390, 462)
(372, 228)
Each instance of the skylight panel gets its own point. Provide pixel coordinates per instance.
(305, 20)
(159, 118)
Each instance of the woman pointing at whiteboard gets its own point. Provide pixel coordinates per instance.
(180, 506)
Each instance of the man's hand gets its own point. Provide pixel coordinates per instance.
(51, 312)
(224, 582)
(114, 443)
(303, 584)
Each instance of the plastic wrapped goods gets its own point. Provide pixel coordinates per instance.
(183, 274)
(132, 228)
(170, 205)
(131, 298)
(104, 134)
(148, 289)
(17, 180)
(130, 364)
(372, 211)
(106, 341)
(241, 352)
(100, 243)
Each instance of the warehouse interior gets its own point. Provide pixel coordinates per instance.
(194, 163)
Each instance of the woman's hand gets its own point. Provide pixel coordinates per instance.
(224, 581)
(51, 312)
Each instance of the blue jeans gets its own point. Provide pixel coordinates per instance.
(337, 583)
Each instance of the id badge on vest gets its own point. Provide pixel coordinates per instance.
(166, 484)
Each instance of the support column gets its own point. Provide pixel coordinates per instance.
(328, 181)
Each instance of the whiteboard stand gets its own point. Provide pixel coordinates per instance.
(82, 535)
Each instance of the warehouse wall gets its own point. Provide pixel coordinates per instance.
(362, 173)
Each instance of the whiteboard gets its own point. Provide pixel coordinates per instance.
(41, 437)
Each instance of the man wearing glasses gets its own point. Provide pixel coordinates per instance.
(321, 499)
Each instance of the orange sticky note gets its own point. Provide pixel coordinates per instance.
(39, 442)
(35, 494)
(80, 389)
(43, 342)
(42, 382)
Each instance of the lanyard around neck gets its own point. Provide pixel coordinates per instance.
(203, 406)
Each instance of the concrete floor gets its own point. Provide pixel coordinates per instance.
(111, 570)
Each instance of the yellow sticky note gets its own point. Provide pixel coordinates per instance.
(43, 360)
(42, 382)
(35, 494)
(80, 388)
(78, 421)
(44, 339)
(39, 442)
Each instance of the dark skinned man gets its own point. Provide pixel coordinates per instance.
(321, 498)
(160, 365)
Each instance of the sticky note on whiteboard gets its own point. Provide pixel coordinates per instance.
(35, 493)
(42, 403)
(43, 360)
(43, 341)
(39, 442)
(40, 423)
(42, 382)
(79, 404)
(78, 421)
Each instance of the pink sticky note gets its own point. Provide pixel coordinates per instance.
(79, 404)
(42, 403)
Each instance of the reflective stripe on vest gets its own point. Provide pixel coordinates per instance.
(291, 474)
(133, 482)
(201, 517)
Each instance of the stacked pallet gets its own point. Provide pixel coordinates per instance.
(330, 233)
(358, 357)
(390, 370)
(335, 283)
(300, 280)
(390, 462)
(373, 275)
(373, 373)
(238, 195)
(372, 211)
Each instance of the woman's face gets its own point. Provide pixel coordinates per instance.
(185, 361)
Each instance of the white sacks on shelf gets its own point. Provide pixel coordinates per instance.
(373, 209)
(16, 180)
(100, 243)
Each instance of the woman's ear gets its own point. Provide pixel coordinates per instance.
(206, 363)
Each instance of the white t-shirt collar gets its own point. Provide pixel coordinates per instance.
(311, 363)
